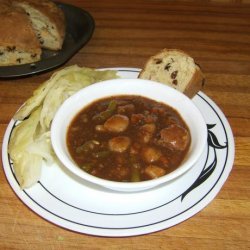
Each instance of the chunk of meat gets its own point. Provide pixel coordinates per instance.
(154, 171)
(119, 173)
(150, 118)
(135, 148)
(146, 132)
(164, 161)
(119, 144)
(159, 110)
(127, 108)
(170, 120)
(137, 119)
(120, 159)
(150, 154)
(116, 123)
(174, 137)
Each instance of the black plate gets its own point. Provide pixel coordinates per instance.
(79, 28)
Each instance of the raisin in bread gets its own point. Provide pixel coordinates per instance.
(47, 20)
(18, 41)
(176, 69)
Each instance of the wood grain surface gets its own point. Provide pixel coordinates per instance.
(217, 35)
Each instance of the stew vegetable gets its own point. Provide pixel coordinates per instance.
(128, 139)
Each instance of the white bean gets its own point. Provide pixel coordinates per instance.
(117, 123)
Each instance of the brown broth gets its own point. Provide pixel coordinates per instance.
(143, 151)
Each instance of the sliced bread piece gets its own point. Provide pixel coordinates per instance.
(176, 69)
(18, 41)
(47, 20)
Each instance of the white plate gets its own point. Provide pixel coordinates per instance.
(70, 203)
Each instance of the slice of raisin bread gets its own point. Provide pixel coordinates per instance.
(47, 20)
(18, 41)
(176, 69)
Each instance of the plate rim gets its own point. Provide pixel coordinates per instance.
(151, 228)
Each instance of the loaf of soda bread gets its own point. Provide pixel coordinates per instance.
(27, 26)
(47, 20)
(176, 69)
(18, 41)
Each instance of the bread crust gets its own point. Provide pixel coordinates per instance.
(192, 87)
(195, 84)
(51, 11)
(16, 30)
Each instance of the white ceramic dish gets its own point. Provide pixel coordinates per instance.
(153, 90)
(89, 209)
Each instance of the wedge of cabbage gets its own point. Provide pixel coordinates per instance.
(30, 143)
(27, 165)
(60, 86)
(66, 86)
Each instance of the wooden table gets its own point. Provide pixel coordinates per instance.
(217, 35)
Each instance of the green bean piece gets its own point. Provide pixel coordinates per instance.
(103, 116)
(101, 154)
(135, 168)
(135, 174)
(133, 159)
(87, 146)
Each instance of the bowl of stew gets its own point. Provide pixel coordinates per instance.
(128, 134)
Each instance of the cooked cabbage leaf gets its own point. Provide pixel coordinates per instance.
(69, 79)
(38, 95)
(42, 146)
(27, 166)
(30, 143)
(66, 86)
